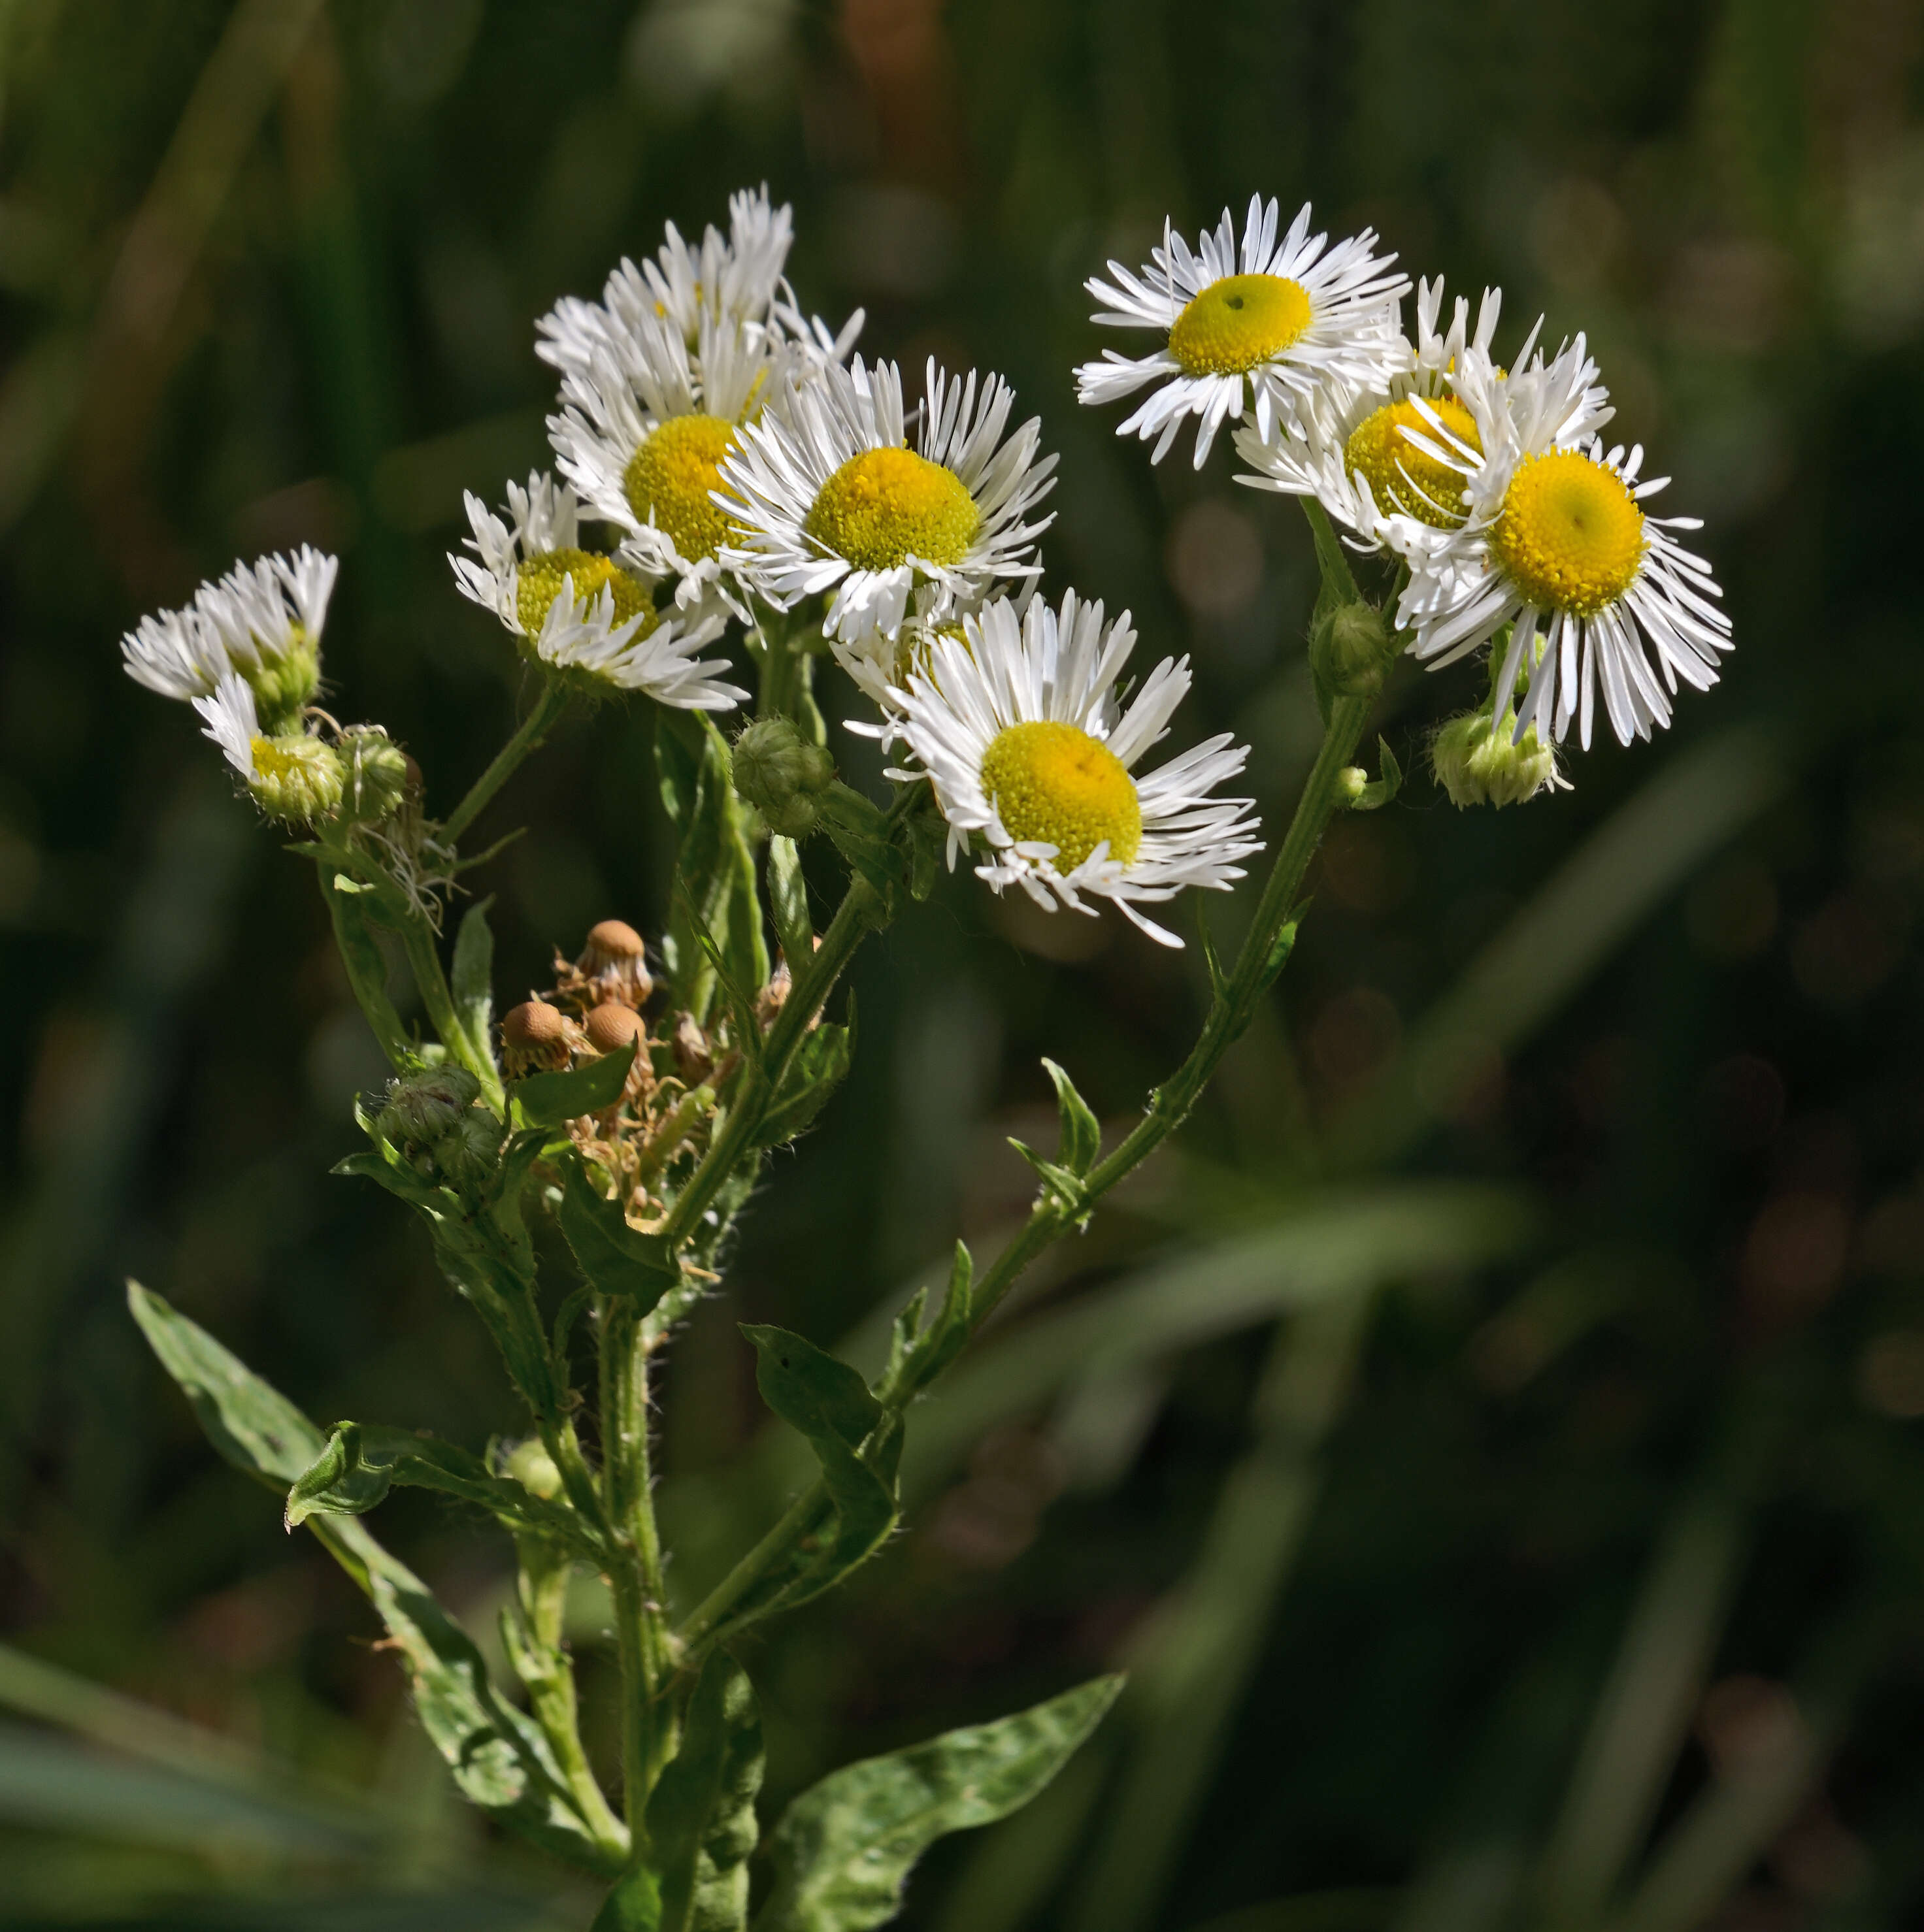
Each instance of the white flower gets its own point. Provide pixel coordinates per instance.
(581, 612)
(1352, 449)
(827, 496)
(291, 774)
(730, 279)
(1015, 725)
(645, 424)
(1268, 329)
(1556, 543)
(263, 619)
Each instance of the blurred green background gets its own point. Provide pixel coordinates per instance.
(1492, 1438)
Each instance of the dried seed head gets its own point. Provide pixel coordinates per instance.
(693, 1058)
(615, 962)
(533, 1034)
(611, 1026)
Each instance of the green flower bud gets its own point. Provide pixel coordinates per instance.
(422, 1108)
(533, 1468)
(1477, 764)
(295, 778)
(471, 1150)
(286, 682)
(782, 775)
(375, 773)
(1350, 650)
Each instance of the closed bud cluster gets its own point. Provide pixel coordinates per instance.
(613, 965)
(296, 778)
(1350, 650)
(431, 1117)
(1477, 764)
(534, 1036)
(376, 773)
(285, 682)
(782, 775)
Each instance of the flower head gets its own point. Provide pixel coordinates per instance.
(581, 613)
(291, 774)
(1556, 546)
(1015, 724)
(829, 497)
(262, 620)
(1267, 327)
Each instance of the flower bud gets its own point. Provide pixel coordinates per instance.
(421, 1107)
(781, 775)
(285, 682)
(1477, 764)
(611, 1026)
(615, 964)
(1350, 650)
(376, 771)
(533, 1468)
(295, 778)
(470, 1150)
(534, 1034)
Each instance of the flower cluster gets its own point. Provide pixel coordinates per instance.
(1516, 532)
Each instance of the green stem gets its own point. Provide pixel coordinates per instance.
(641, 1629)
(424, 960)
(532, 729)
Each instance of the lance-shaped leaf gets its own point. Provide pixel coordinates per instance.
(1379, 791)
(844, 1849)
(634, 1905)
(472, 979)
(1081, 1135)
(360, 954)
(362, 1461)
(498, 1757)
(614, 1259)
(819, 1064)
(829, 1403)
(788, 902)
(550, 1099)
(948, 1333)
(701, 1822)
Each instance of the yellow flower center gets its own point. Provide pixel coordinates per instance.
(537, 584)
(885, 506)
(1569, 536)
(1054, 783)
(670, 476)
(1238, 322)
(1400, 475)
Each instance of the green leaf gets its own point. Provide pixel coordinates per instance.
(551, 1099)
(362, 1461)
(949, 1332)
(1081, 1139)
(472, 979)
(1063, 1185)
(1379, 791)
(634, 1905)
(844, 1849)
(360, 954)
(387, 1169)
(614, 1258)
(788, 900)
(819, 1064)
(830, 1404)
(498, 1757)
(701, 1822)
(254, 1427)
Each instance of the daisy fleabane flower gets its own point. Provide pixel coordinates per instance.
(1352, 449)
(1015, 726)
(1265, 328)
(262, 620)
(1557, 544)
(291, 774)
(732, 280)
(582, 613)
(825, 496)
(645, 425)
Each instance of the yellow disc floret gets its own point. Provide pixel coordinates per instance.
(1401, 476)
(1053, 783)
(537, 584)
(670, 477)
(885, 506)
(1238, 323)
(295, 777)
(1569, 536)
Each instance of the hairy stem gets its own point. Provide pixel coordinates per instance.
(532, 729)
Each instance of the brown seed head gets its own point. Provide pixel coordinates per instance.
(616, 961)
(533, 1033)
(611, 1026)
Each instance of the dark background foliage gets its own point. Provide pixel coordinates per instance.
(1557, 1556)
